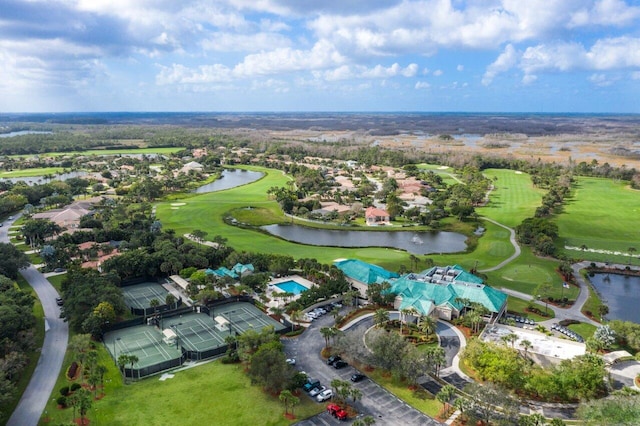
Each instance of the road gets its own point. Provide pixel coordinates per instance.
(514, 243)
(37, 393)
(384, 407)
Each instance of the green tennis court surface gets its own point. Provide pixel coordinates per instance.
(140, 295)
(143, 341)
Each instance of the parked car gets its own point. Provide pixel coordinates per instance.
(311, 384)
(317, 391)
(337, 412)
(324, 395)
(332, 359)
(339, 364)
(59, 301)
(357, 377)
(291, 361)
(59, 270)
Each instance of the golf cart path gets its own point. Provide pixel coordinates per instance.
(512, 240)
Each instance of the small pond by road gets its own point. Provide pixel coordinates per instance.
(621, 293)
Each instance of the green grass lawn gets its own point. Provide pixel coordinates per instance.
(206, 212)
(41, 171)
(583, 329)
(601, 214)
(430, 407)
(518, 306)
(212, 394)
(513, 199)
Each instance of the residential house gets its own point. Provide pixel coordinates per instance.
(374, 216)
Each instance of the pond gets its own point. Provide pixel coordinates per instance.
(33, 180)
(23, 132)
(230, 179)
(413, 242)
(621, 293)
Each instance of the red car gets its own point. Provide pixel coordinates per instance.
(337, 412)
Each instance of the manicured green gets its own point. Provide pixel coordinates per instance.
(447, 173)
(41, 171)
(593, 302)
(602, 214)
(206, 212)
(513, 199)
(518, 307)
(583, 329)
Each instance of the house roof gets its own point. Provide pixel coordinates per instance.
(375, 212)
(445, 287)
(366, 273)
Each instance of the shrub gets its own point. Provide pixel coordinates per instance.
(62, 401)
(64, 391)
(73, 370)
(75, 387)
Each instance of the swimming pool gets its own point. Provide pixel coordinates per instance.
(292, 287)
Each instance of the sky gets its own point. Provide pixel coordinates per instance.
(320, 55)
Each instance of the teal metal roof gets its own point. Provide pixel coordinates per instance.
(365, 272)
(415, 288)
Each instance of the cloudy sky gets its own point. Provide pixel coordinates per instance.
(320, 55)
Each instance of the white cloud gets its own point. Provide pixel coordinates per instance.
(507, 60)
(460, 68)
(529, 79)
(230, 42)
(605, 12)
(437, 73)
(601, 80)
(204, 74)
(635, 75)
(422, 85)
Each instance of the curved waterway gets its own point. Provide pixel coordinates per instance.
(230, 179)
(413, 242)
(621, 293)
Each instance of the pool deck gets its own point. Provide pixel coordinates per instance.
(272, 288)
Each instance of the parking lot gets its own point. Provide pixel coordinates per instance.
(384, 407)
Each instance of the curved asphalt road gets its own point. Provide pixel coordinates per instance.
(35, 396)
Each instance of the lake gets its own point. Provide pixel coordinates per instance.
(621, 293)
(33, 180)
(23, 132)
(412, 242)
(230, 179)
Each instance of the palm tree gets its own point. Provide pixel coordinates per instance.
(427, 324)
(133, 359)
(170, 299)
(445, 395)
(380, 317)
(276, 310)
(414, 261)
(285, 397)
(295, 318)
(526, 345)
(403, 316)
(326, 333)
(123, 359)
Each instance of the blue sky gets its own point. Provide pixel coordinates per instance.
(320, 55)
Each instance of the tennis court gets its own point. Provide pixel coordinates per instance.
(143, 341)
(139, 296)
(196, 332)
(244, 316)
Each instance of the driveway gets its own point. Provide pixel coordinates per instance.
(384, 407)
(43, 380)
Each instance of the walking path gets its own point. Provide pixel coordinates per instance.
(43, 380)
(512, 240)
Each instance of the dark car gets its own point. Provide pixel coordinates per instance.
(333, 359)
(339, 364)
(311, 384)
(357, 377)
(59, 301)
(59, 270)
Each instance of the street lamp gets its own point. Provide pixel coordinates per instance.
(115, 354)
(174, 327)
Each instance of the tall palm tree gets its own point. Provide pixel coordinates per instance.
(380, 317)
(403, 316)
(427, 324)
(526, 345)
(326, 333)
(295, 318)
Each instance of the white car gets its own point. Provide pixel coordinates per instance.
(291, 361)
(324, 395)
(317, 391)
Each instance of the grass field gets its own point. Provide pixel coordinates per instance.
(518, 306)
(41, 171)
(206, 212)
(601, 214)
(583, 329)
(513, 199)
(212, 393)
